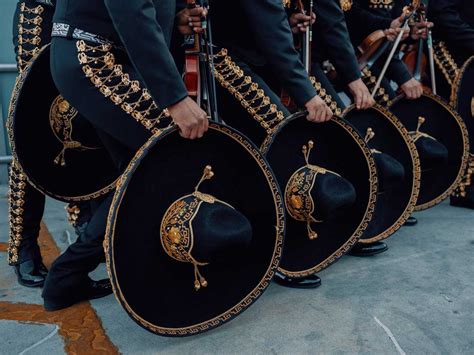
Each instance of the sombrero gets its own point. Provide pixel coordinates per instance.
(195, 231)
(57, 149)
(398, 169)
(329, 180)
(435, 126)
(462, 95)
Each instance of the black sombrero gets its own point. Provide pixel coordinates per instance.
(398, 169)
(435, 127)
(462, 96)
(195, 231)
(329, 181)
(57, 148)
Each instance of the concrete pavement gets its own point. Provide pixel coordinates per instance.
(416, 298)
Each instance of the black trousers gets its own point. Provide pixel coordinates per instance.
(31, 30)
(119, 129)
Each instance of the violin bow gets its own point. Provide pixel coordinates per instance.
(409, 13)
(431, 54)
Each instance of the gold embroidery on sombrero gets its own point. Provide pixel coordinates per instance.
(99, 65)
(416, 135)
(16, 201)
(177, 237)
(232, 78)
(29, 30)
(326, 97)
(61, 117)
(369, 135)
(381, 4)
(298, 199)
(445, 62)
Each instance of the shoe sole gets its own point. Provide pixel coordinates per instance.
(52, 306)
(369, 254)
(304, 287)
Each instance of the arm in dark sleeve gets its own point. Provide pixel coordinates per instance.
(273, 35)
(143, 38)
(360, 19)
(450, 25)
(398, 72)
(331, 24)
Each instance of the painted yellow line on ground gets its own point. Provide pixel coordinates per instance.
(79, 326)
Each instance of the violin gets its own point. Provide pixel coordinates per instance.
(191, 62)
(370, 47)
(199, 65)
(305, 46)
(415, 58)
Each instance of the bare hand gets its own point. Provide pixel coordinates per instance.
(300, 22)
(412, 89)
(190, 118)
(189, 21)
(362, 97)
(318, 111)
(420, 30)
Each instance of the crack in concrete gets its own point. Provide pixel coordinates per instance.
(391, 336)
(38, 343)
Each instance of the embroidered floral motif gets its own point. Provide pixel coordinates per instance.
(99, 65)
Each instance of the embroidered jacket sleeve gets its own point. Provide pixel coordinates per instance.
(273, 35)
(144, 39)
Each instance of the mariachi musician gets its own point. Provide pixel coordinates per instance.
(122, 128)
(454, 33)
(252, 67)
(367, 16)
(331, 42)
(31, 31)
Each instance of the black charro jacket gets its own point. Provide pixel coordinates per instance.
(257, 31)
(362, 20)
(454, 24)
(331, 40)
(143, 28)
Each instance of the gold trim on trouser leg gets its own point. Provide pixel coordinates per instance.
(16, 195)
(29, 31)
(466, 182)
(73, 212)
(232, 78)
(99, 65)
(445, 62)
(326, 97)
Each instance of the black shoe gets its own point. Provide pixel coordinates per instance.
(466, 202)
(371, 249)
(96, 289)
(31, 273)
(311, 281)
(411, 221)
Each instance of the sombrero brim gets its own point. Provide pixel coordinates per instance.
(445, 125)
(156, 290)
(88, 171)
(338, 147)
(463, 94)
(395, 206)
